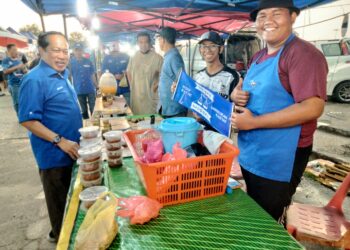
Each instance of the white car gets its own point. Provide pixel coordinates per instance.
(337, 53)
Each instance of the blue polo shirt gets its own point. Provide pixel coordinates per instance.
(15, 77)
(82, 72)
(172, 65)
(116, 64)
(47, 96)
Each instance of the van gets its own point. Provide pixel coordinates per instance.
(337, 53)
(239, 49)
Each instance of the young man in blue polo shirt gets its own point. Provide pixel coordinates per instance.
(84, 81)
(49, 109)
(14, 69)
(172, 65)
(116, 63)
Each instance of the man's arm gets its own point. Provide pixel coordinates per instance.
(296, 114)
(37, 128)
(14, 68)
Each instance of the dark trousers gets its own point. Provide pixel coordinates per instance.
(275, 196)
(84, 100)
(56, 183)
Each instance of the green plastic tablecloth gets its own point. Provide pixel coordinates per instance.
(232, 221)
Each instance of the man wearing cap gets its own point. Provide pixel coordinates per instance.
(172, 65)
(277, 108)
(143, 75)
(49, 109)
(216, 76)
(84, 81)
(116, 63)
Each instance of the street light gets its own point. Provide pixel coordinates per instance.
(83, 8)
(95, 23)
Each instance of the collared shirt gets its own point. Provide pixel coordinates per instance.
(82, 72)
(172, 65)
(116, 64)
(15, 77)
(47, 96)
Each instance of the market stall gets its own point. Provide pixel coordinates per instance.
(228, 221)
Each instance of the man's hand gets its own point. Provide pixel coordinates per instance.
(173, 87)
(197, 117)
(238, 96)
(242, 119)
(69, 147)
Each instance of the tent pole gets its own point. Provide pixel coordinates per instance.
(65, 26)
(42, 22)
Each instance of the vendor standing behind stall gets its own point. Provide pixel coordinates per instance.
(49, 109)
(172, 65)
(282, 96)
(143, 75)
(84, 80)
(116, 63)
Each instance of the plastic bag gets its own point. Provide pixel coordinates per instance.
(152, 146)
(140, 209)
(178, 153)
(99, 227)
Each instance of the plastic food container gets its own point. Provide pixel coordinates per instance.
(178, 129)
(114, 163)
(89, 166)
(113, 146)
(89, 132)
(91, 176)
(90, 142)
(90, 154)
(113, 136)
(91, 183)
(91, 194)
(112, 154)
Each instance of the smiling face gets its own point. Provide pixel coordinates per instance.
(274, 25)
(210, 51)
(56, 53)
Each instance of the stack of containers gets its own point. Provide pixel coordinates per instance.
(90, 161)
(114, 148)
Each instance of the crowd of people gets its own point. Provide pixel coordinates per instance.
(276, 104)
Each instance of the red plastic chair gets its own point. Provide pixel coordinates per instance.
(322, 225)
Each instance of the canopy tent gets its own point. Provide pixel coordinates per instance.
(8, 37)
(187, 16)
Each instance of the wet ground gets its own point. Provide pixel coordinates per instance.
(24, 223)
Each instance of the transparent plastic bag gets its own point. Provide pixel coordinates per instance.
(99, 227)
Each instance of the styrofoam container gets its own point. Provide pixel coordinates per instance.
(178, 129)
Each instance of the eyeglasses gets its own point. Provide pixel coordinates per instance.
(58, 51)
(209, 47)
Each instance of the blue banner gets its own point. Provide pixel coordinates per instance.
(209, 105)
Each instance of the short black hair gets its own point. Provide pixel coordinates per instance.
(43, 38)
(10, 45)
(143, 34)
(169, 34)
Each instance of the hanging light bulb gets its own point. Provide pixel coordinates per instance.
(95, 23)
(82, 8)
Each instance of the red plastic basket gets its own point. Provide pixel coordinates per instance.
(186, 180)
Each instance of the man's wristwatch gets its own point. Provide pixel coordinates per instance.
(57, 139)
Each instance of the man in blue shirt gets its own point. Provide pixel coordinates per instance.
(14, 69)
(49, 109)
(84, 80)
(172, 65)
(116, 63)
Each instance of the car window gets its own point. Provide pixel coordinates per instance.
(331, 49)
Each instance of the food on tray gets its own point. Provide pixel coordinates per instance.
(90, 154)
(90, 195)
(89, 132)
(89, 166)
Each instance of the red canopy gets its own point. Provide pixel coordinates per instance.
(7, 38)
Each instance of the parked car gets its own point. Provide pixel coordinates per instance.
(239, 48)
(337, 53)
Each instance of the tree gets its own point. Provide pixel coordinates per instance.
(34, 28)
(76, 37)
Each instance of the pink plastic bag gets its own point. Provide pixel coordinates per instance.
(178, 153)
(153, 150)
(140, 209)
